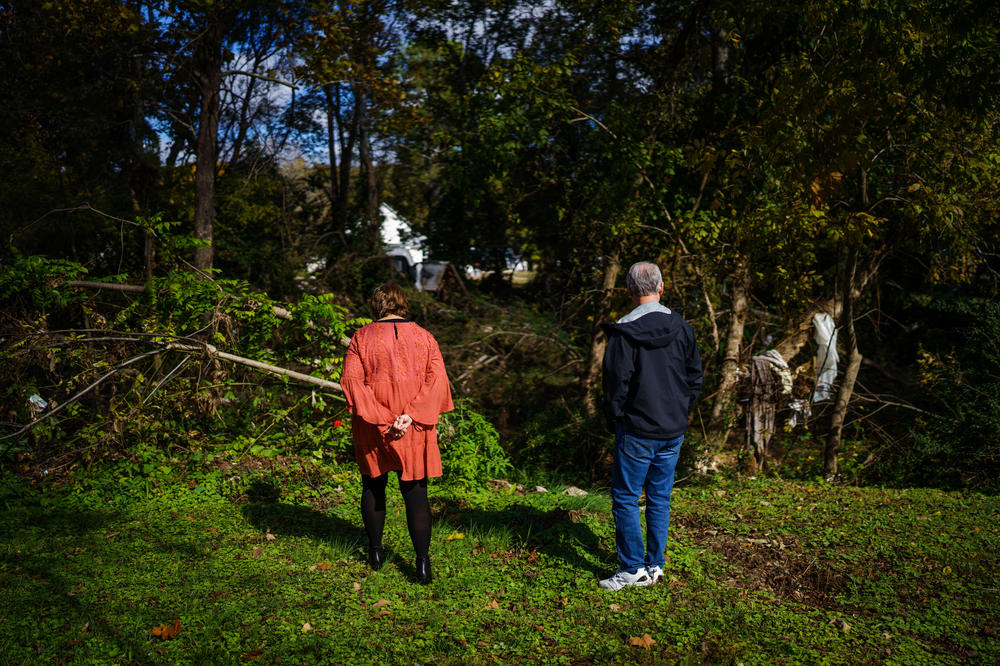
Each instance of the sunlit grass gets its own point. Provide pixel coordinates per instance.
(757, 572)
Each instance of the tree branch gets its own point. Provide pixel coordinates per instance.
(112, 286)
(279, 312)
(211, 351)
(262, 77)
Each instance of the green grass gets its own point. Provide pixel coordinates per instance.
(760, 572)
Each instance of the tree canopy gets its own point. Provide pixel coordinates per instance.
(777, 159)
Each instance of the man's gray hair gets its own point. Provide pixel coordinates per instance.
(644, 279)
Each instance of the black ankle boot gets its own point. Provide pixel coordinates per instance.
(424, 570)
(376, 558)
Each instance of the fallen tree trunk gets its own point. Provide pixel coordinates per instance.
(113, 286)
(212, 352)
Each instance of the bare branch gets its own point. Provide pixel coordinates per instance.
(184, 361)
(262, 77)
(480, 362)
(84, 207)
(587, 116)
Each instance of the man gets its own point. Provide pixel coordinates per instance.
(652, 375)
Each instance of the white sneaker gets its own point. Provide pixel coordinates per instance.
(655, 575)
(626, 579)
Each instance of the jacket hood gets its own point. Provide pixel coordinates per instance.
(652, 330)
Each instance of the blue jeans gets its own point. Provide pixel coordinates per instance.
(642, 463)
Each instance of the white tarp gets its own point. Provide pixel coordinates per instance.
(826, 356)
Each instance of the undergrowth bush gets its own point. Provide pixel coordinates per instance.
(959, 443)
(153, 406)
(35, 279)
(567, 445)
(470, 447)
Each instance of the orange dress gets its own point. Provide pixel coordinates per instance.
(395, 367)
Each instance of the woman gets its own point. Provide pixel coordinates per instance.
(396, 387)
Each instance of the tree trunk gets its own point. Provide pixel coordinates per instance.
(711, 309)
(209, 77)
(598, 341)
(850, 292)
(332, 126)
(368, 168)
(141, 184)
(790, 347)
(346, 140)
(720, 421)
(834, 441)
(720, 60)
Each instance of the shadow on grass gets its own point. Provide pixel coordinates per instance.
(265, 512)
(554, 533)
(298, 520)
(48, 580)
(52, 511)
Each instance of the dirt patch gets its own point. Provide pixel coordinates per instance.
(776, 565)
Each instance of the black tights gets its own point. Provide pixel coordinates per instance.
(418, 510)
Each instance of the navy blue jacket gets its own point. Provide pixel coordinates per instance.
(652, 375)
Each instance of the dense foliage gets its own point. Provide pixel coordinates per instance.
(776, 158)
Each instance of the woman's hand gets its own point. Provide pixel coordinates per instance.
(400, 426)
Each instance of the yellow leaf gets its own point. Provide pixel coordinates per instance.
(645, 641)
(165, 631)
(455, 535)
